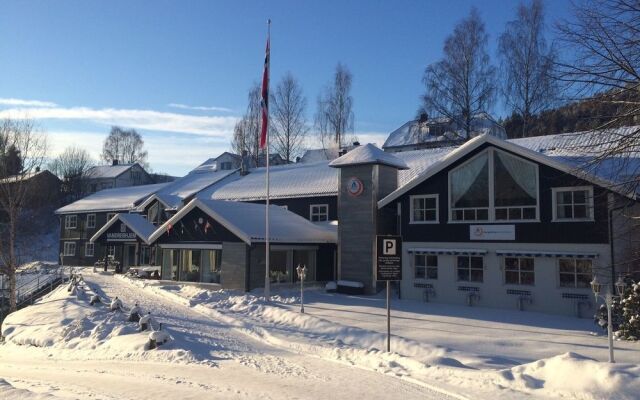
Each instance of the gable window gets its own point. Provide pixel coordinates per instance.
(91, 220)
(519, 271)
(575, 272)
(494, 186)
(470, 268)
(319, 212)
(424, 209)
(71, 222)
(88, 249)
(69, 249)
(573, 203)
(426, 266)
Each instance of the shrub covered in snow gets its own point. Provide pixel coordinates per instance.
(629, 328)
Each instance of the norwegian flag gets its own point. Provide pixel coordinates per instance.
(265, 93)
(207, 226)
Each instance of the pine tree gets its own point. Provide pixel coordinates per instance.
(629, 328)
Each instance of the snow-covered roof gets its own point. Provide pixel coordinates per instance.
(118, 199)
(414, 133)
(368, 154)
(174, 193)
(602, 174)
(286, 181)
(108, 171)
(247, 221)
(136, 222)
(26, 176)
(315, 155)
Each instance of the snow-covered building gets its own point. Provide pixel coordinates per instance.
(520, 223)
(115, 175)
(425, 133)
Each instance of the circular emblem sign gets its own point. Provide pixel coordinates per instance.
(355, 187)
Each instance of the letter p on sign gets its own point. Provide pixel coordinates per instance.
(389, 247)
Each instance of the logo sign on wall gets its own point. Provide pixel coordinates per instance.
(389, 258)
(355, 187)
(492, 232)
(124, 235)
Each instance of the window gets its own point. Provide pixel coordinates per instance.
(575, 272)
(211, 262)
(470, 268)
(494, 186)
(107, 185)
(145, 255)
(109, 216)
(319, 212)
(69, 248)
(424, 209)
(225, 165)
(91, 220)
(426, 266)
(71, 222)
(111, 251)
(88, 249)
(573, 203)
(519, 271)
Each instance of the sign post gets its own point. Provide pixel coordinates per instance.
(388, 268)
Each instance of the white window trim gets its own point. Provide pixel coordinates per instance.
(86, 249)
(94, 221)
(424, 196)
(69, 253)
(491, 207)
(554, 203)
(109, 248)
(67, 222)
(426, 278)
(575, 274)
(504, 272)
(484, 267)
(311, 214)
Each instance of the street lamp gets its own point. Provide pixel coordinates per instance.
(596, 286)
(302, 274)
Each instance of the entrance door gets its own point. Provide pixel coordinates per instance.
(129, 257)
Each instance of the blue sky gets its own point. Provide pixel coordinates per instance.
(179, 71)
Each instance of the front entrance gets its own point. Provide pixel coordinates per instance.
(192, 265)
(128, 257)
(283, 264)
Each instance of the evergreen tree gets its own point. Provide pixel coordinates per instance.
(629, 328)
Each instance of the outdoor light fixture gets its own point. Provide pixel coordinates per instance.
(620, 286)
(596, 286)
(302, 275)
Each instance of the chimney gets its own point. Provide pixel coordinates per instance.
(298, 159)
(244, 163)
(356, 144)
(37, 169)
(115, 162)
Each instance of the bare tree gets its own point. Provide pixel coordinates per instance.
(125, 146)
(461, 85)
(288, 122)
(334, 117)
(526, 63)
(15, 189)
(603, 41)
(246, 133)
(71, 166)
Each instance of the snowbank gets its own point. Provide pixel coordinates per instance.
(71, 328)
(9, 392)
(423, 363)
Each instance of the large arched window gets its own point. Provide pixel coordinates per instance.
(494, 186)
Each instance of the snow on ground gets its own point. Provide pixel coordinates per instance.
(65, 348)
(539, 360)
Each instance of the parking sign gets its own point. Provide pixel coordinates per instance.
(389, 258)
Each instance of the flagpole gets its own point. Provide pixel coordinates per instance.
(267, 283)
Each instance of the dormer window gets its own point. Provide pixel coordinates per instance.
(494, 186)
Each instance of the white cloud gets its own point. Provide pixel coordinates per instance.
(25, 103)
(132, 118)
(173, 154)
(199, 108)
